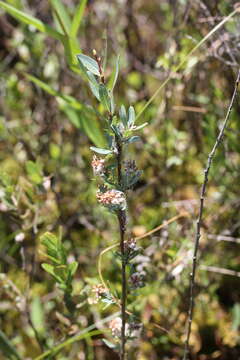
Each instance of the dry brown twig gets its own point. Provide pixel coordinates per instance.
(200, 215)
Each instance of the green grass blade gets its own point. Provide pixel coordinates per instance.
(77, 19)
(63, 18)
(86, 333)
(177, 68)
(44, 86)
(71, 48)
(84, 117)
(30, 20)
(91, 128)
(7, 348)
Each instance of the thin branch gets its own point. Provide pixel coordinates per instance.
(199, 221)
(122, 229)
(224, 238)
(219, 270)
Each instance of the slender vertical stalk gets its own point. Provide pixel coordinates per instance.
(122, 229)
(199, 220)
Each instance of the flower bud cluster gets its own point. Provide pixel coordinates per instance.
(130, 167)
(116, 326)
(99, 292)
(98, 166)
(136, 280)
(112, 199)
(130, 245)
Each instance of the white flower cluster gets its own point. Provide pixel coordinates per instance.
(98, 166)
(113, 199)
(130, 245)
(98, 292)
(115, 326)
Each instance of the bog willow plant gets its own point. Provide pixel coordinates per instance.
(116, 175)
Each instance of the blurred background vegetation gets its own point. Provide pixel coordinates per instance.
(48, 122)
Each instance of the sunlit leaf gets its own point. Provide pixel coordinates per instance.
(89, 63)
(37, 315)
(104, 97)
(131, 116)
(101, 151)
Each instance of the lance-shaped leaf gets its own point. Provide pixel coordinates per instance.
(62, 15)
(104, 97)
(72, 267)
(123, 115)
(101, 151)
(132, 139)
(116, 73)
(89, 63)
(131, 116)
(77, 18)
(94, 85)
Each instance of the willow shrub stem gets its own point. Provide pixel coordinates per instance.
(200, 214)
(122, 229)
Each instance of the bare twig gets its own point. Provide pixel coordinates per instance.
(219, 270)
(199, 221)
(224, 238)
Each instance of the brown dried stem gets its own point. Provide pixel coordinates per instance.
(122, 229)
(199, 220)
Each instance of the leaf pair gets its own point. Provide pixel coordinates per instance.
(90, 69)
(61, 271)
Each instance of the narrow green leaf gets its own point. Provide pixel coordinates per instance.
(30, 20)
(73, 267)
(112, 104)
(94, 85)
(34, 171)
(109, 344)
(236, 316)
(133, 139)
(100, 151)
(69, 99)
(63, 17)
(71, 48)
(91, 127)
(7, 348)
(72, 114)
(123, 115)
(53, 258)
(77, 19)
(140, 126)
(60, 272)
(104, 97)
(49, 239)
(131, 116)
(89, 63)
(87, 332)
(37, 315)
(116, 72)
(86, 117)
(51, 270)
